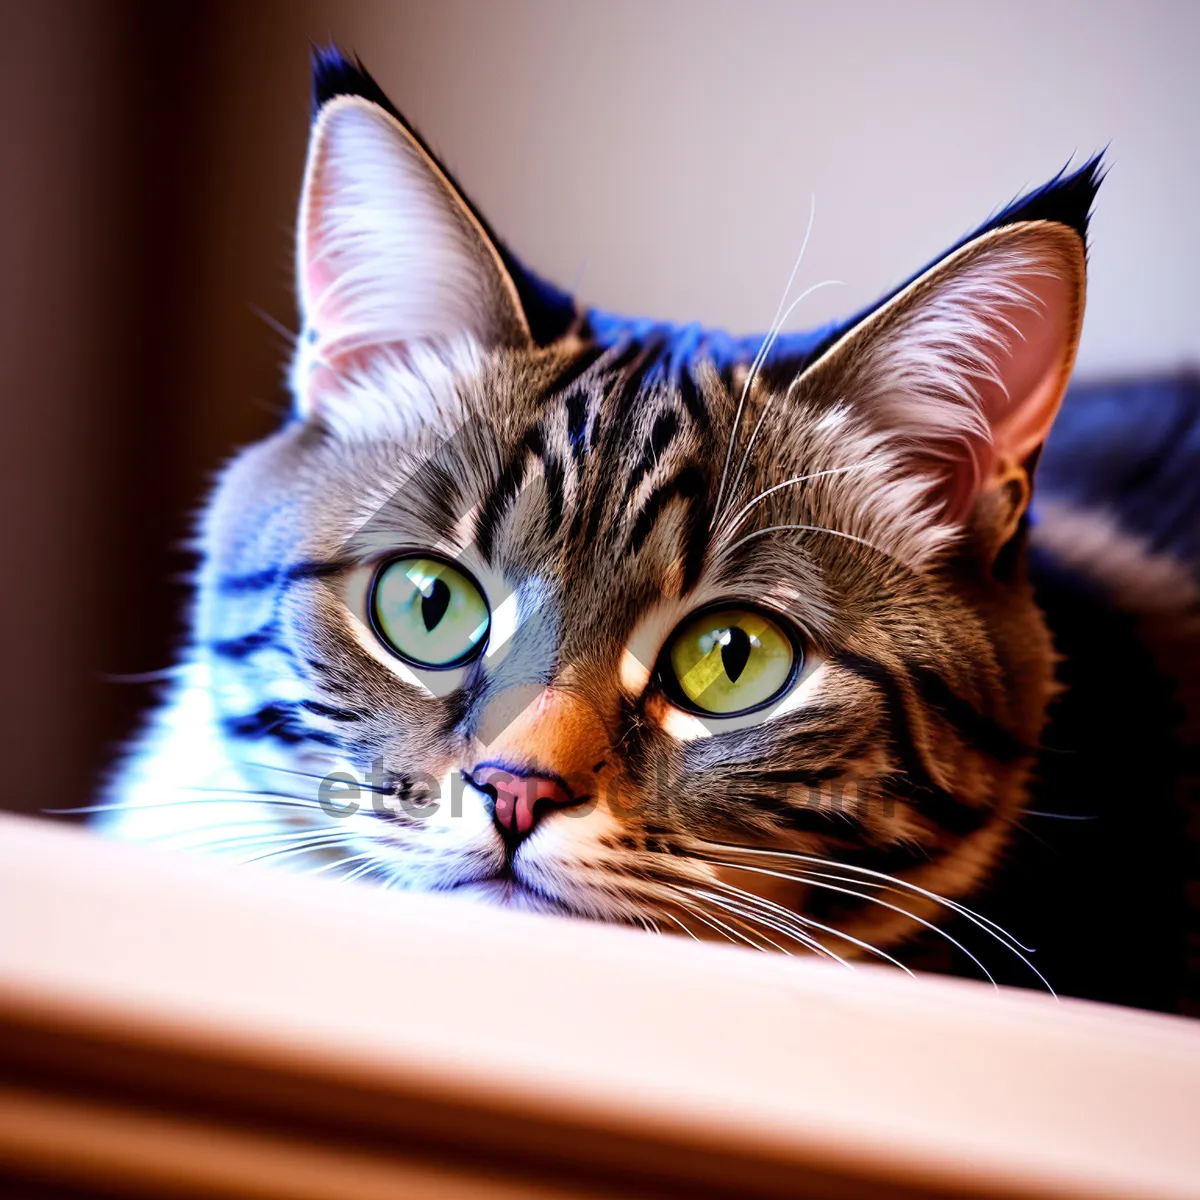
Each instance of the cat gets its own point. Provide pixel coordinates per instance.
(733, 638)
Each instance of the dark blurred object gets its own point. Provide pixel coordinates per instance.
(130, 258)
(1132, 448)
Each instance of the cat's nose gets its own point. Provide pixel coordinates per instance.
(520, 798)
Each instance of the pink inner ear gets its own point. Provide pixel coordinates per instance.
(1033, 338)
(316, 263)
(1034, 368)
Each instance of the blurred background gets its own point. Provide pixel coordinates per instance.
(658, 156)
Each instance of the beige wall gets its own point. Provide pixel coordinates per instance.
(667, 151)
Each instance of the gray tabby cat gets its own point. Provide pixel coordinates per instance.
(619, 621)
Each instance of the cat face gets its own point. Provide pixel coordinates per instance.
(608, 626)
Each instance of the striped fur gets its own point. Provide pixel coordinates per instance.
(597, 500)
(602, 479)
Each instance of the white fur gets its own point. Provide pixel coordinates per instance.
(397, 396)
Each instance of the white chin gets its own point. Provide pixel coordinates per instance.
(506, 893)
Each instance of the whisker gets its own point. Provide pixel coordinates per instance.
(160, 676)
(277, 326)
(737, 417)
(316, 844)
(734, 522)
(978, 918)
(757, 366)
(719, 927)
(1029, 812)
(749, 925)
(270, 837)
(757, 919)
(363, 871)
(220, 796)
(813, 881)
(846, 937)
(370, 856)
(366, 787)
(677, 921)
(781, 919)
(891, 882)
(850, 537)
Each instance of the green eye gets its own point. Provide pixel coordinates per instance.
(428, 612)
(725, 661)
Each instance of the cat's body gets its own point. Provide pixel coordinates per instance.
(609, 618)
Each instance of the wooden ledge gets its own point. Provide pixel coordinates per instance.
(173, 1025)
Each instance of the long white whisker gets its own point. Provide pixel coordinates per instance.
(734, 933)
(270, 837)
(751, 925)
(261, 766)
(677, 921)
(742, 912)
(784, 920)
(850, 537)
(811, 923)
(750, 913)
(813, 880)
(366, 869)
(696, 915)
(993, 930)
(316, 844)
(736, 520)
(220, 796)
(737, 417)
(988, 926)
(344, 862)
(996, 931)
(711, 923)
(772, 337)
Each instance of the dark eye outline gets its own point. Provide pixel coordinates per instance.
(664, 675)
(386, 642)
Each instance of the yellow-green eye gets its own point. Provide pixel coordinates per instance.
(724, 661)
(429, 612)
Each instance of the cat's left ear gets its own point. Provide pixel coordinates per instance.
(388, 253)
(964, 369)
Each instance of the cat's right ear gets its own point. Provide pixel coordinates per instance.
(388, 253)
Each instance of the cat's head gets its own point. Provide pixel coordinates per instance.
(605, 617)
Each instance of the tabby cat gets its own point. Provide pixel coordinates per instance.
(555, 609)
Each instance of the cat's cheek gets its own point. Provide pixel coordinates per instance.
(566, 855)
(571, 837)
(447, 843)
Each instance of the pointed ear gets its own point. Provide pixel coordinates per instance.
(967, 365)
(388, 254)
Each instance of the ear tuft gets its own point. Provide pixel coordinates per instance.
(333, 75)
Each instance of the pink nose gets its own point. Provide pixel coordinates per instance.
(521, 799)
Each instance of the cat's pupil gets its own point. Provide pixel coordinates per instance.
(735, 652)
(434, 602)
